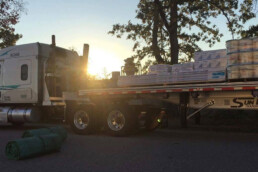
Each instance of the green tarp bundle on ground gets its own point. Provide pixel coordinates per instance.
(36, 142)
(43, 131)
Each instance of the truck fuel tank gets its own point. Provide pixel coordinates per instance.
(19, 114)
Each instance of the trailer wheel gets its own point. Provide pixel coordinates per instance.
(120, 120)
(82, 121)
(153, 120)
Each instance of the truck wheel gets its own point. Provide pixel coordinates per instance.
(82, 121)
(120, 121)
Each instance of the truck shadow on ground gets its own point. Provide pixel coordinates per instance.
(205, 131)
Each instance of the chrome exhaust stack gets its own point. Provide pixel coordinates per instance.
(85, 56)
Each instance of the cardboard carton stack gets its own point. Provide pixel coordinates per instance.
(213, 62)
(185, 73)
(209, 66)
(242, 58)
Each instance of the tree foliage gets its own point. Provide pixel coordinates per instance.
(251, 32)
(130, 67)
(168, 29)
(10, 12)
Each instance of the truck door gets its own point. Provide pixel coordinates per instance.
(17, 82)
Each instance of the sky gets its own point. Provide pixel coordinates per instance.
(87, 21)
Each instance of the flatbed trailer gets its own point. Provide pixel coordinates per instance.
(148, 99)
(209, 91)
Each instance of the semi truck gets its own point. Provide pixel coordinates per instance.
(39, 82)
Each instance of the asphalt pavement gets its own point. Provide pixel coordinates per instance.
(163, 150)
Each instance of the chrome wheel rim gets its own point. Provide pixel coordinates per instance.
(116, 120)
(81, 120)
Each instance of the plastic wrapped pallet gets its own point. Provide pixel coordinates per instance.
(233, 59)
(206, 64)
(255, 57)
(137, 80)
(246, 71)
(245, 57)
(124, 81)
(255, 44)
(209, 55)
(217, 74)
(214, 54)
(150, 79)
(198, 66)
(218, 63)
(185, 67)
(255, 70)
(232, 46)
(188, 77)
(159, 73)
(164, 79)
(160, 69)
(242, 60)
(222, 54)
(198, 56)
(233, 72)
(245, 45)
(206, 55)
(214, 63)
(241, 51)
(147, 79)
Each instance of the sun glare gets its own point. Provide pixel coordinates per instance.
(102, 62)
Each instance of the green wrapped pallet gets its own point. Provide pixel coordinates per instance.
(33, 146)
(43, 131)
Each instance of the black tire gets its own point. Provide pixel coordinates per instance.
(82, 121)
(121, 120)
(150, 119)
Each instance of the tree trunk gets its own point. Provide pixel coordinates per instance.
(171, 27)
(155, 46)
(174, 47)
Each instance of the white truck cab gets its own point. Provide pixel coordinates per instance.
(33, 76)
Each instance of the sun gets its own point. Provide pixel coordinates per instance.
(102, 62)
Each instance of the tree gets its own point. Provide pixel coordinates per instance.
(168, 29)
(251, 32)
(130, 67)
(10, 11)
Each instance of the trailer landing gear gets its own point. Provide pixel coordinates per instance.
(184, 99)
(197, 112)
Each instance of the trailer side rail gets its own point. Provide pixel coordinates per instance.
(226, 86)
